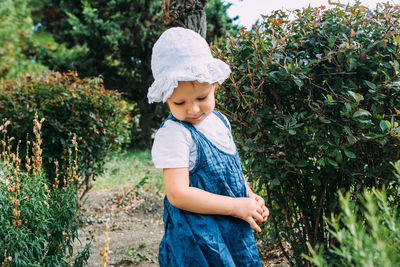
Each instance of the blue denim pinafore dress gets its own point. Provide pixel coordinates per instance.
(192, 239)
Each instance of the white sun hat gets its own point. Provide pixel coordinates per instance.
(182, 55)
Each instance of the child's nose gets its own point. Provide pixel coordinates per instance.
(193, 109)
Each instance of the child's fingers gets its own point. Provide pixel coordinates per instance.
(260, 200)
(264, 218)
(263, 208)
(254, 225)
(265, 214)
(267, 211)
(258, 217)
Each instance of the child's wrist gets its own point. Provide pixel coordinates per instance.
(232, 207)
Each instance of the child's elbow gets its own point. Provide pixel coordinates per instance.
(176, 199)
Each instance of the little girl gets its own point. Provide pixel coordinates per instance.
(209, 208)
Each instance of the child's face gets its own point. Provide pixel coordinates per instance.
(192, 101)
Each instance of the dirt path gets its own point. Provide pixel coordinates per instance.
(133, 223)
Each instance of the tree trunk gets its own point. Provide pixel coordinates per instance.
(188, 14)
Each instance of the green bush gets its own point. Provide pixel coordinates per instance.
(38, 221)
(314, 101)
(70, 106)
(365, 236)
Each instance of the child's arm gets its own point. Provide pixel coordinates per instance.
(193, 199)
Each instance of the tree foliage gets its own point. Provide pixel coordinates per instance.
(219, 24)
(315, 104)
(115, 38)
(16, 39)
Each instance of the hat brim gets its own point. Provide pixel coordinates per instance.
(211, 71)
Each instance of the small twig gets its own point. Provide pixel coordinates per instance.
(241, 95)
(337, 73)
(382, 86)
(237, 120)
(251, 81)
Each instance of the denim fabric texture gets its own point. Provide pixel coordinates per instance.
(192, 239)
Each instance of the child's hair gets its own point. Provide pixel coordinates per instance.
(182, 55)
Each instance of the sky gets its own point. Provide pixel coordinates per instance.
(250, 10)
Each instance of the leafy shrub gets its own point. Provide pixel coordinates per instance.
(315, 105)
(366, 236)
(70, 106)
(38, 221)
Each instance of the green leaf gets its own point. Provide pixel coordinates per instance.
(383, 125)
(292, 132)
(330, 99)
(275, 182)
(349, 154)
(352, 64)
(396, 65)
(331, 162)
(370, 84)
(301, 163)
(351, 139)
(297, 81)
(361, 112)
(358, 97)
(338, 155)
(388, 124)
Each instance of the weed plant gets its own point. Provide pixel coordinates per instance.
(38, 220)
(366, 235)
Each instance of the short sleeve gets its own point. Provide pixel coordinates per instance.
(171, 146)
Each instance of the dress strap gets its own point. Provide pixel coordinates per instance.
(185, 124)
(170, 117)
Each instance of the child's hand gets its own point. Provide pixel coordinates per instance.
(250, 210)
(261, 202)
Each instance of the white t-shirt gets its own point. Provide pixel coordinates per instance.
(174, 147)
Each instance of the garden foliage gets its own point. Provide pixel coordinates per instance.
(314, 100)
(16, 39)
(366, 234)
(38, 220)
(69, 106)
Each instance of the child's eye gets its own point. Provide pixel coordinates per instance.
(202, 98)
(179, 103)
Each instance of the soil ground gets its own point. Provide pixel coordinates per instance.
(129, 225)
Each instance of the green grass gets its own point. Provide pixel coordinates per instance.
(130, 169)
